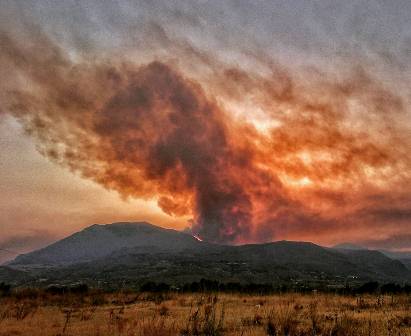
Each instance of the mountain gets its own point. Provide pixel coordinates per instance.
(376, 262)
(133, 253)
(403, 257)
(348, 246)
(98, 241)
(397, 254)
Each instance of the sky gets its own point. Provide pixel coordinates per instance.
(242, 121)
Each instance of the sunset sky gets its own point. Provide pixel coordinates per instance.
(243, 121)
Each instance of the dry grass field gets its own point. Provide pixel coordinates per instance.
(204, 314)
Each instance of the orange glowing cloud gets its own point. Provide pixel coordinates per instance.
(249, 156)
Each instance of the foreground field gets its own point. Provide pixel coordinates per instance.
(204, 314)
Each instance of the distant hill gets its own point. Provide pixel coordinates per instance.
(397, 254)
(403, 257)
(349, 246)
(98, 241)
(133, 253)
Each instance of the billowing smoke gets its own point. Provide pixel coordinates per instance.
(250, 156)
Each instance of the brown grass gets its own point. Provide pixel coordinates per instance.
(134, 314)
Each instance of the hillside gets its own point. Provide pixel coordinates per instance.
(132, 253)
(403, 257)
(98, 241)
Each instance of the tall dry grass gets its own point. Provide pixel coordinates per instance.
(147, 314)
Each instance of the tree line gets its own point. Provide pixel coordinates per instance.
(205, 285)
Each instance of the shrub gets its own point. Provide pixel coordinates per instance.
(369, 287)
(154, 287)
(79, 289)
(5, 289)
(56, 289)
(204, 321)
(390, 288)
(163, 311)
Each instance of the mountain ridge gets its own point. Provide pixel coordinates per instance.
(99, 240)
(140, 251)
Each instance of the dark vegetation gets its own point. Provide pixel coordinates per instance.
(203, 286)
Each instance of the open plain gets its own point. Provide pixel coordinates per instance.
(156, 314)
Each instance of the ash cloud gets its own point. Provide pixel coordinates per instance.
(160, 129)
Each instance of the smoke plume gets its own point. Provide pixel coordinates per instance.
(250, 156)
